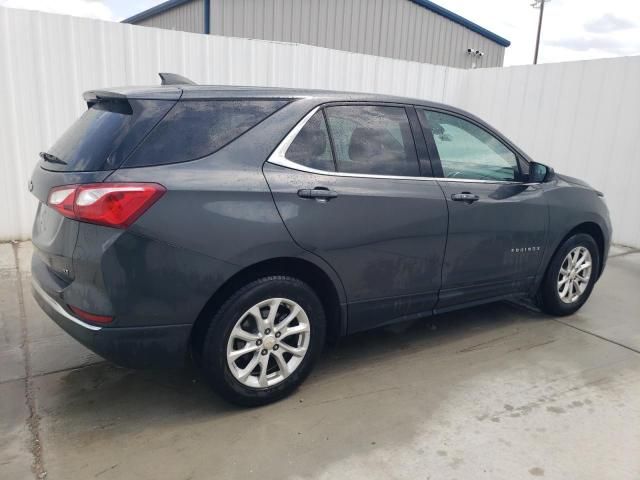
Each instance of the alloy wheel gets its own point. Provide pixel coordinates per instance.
(574, 275)
(268, 342)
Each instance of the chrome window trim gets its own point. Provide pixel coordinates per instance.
(58, 308)
(278, 158)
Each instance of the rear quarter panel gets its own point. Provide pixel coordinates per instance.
(220, 205)
(218, 209)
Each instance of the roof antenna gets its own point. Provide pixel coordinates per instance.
(175, 79)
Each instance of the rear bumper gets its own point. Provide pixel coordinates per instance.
(134, 347)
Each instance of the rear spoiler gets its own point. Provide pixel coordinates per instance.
(124, 94)
(94, 96)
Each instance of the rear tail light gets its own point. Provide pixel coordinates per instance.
(115, 205)
(91, 317)
(61, 199)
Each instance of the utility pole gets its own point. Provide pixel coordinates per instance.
(538, 4)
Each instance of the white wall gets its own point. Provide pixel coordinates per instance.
(47, 61)
(582, 118)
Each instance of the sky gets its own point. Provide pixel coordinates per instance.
(572, 29)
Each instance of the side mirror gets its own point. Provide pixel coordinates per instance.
(539, 173)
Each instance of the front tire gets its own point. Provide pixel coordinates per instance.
(570, 277)
(263, 341)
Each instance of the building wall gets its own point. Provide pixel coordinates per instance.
(388, 28)
(188, 17)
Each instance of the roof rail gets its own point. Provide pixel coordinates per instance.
(175, 79)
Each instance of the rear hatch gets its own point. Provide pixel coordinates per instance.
(115, 122)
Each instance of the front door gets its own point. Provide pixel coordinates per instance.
(497, 223)
(348, 187)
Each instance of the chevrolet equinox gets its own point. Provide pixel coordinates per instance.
(243, 227)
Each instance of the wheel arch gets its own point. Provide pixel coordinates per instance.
(592, 229)
(326, 287)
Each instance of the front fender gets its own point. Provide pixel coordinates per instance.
(573, 206)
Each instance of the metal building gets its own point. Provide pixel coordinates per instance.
(417, 30)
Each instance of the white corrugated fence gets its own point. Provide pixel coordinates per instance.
(582, 117)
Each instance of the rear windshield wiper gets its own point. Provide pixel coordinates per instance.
(47, 157)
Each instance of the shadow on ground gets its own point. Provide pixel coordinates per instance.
(106, 389)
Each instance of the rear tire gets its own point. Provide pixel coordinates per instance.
(570, 276)
(279, 357)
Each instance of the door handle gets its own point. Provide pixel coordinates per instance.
(465, 197)
(319, 193)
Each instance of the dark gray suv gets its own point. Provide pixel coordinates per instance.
(243, 227)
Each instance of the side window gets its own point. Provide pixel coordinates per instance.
(373, 140)
(468, 151)
(195, 128)
(311, 147)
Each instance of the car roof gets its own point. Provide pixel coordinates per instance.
(223, 91)
(228, 91)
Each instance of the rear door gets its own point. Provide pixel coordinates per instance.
(347, 182)
(497, 221)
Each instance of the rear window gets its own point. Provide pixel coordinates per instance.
(197, 128)
(312, 147)
(105, 134)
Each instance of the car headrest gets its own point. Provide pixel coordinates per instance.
(308, 137)
(365, 144)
